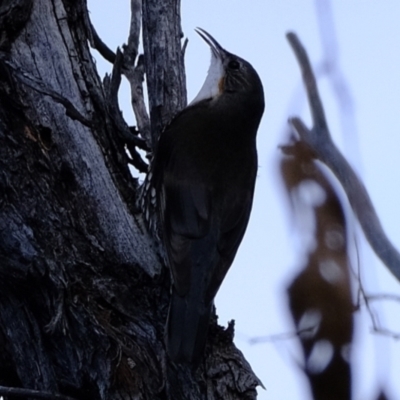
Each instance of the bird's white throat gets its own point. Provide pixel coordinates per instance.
(211, 86)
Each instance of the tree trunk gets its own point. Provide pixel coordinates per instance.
(84, 293)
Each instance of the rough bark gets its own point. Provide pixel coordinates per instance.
(164, 61)
(84, 294)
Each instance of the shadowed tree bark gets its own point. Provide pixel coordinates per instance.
(84, 293)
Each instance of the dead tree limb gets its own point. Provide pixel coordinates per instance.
(318, 138)
(84, 292)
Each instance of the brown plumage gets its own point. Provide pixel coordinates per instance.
(204, 172)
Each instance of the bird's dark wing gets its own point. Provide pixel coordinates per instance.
(204, 183)
(189, 236)
(184, 198)
(186, 217)
(186, 207)
(233, 227)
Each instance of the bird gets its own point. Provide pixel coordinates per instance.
(202, 180)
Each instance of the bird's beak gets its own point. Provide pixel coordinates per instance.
(213, 86)
(217, 50)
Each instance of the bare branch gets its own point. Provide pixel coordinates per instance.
(327, 33)
(184, 46)
(316, 107)
(376, 328)
(111, 86)
(95, 40)
(383, 296)
(386, 332)
(280, 336)
(320, 142)
(330, 67)
(367, 298)
(40, 87)
(135, 73)
(100, 46)
(135, 76)
(164, 66)
(35, 394)
(134, 30)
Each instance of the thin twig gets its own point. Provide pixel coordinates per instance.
(36, 394)
(320, 142)
(364, 297)
(383, 296)
(376, 328)
(40, 87)
(132, 141)
(125, 64)
(135, 77)
(135, 73)
(95, 40)
(100, 46)
(386, 332)
(184, 46)
(281, 336)
(330, 67)
(316, 107)
(361, 294)
(273, 338)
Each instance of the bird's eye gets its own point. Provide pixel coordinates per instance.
(233, 64)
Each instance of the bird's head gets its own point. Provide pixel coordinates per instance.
(228, 74)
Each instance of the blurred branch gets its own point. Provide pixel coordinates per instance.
(320, 298)
(366, 298)
(280, 336)
(392, 297)
(330, 67)
(320, 142)
(386, 332)
(327, 32)
(382, 396)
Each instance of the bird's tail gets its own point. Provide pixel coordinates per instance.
(187, 326)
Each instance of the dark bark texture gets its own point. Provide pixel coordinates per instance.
(84, 293)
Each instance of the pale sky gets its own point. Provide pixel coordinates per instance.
(368, 54)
